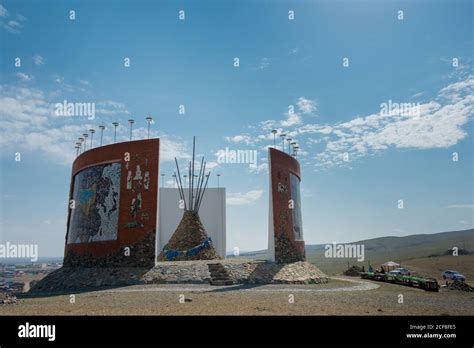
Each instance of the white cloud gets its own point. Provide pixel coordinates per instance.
(84, 82)
(263, 64)
(439, 125)
(461, 206)
(38, 60)
(10, 25)
(246, 198)
(110, 107)
(261, 168)
(28, 123)
(3, 11)
(306, 106)
(292, 119)
(25, 77)
(240, 139)
(293, 51)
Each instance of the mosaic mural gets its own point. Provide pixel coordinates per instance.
(96, 194)
(296, 197)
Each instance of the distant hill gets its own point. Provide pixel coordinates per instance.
(379, 250)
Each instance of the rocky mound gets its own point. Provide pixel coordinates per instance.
(300, 272)
(189, 242)
(462, 286)
(68, 279)
(354, 271)
(7, 298)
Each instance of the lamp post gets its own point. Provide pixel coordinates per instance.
(78, 146)
(218, 176)
(274, 131)
(162, 179)
(85, 135)
(289, 141)
(282, 136)
(92, 131)
(81, 140)
(102, 127)
(131, 127)
(174, 177)
(293, 144)
(149, 120)
(295, 150)
(115, 124)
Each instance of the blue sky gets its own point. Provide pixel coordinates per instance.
(282, 62)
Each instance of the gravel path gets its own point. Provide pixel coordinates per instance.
(359, 285)
(341, 296)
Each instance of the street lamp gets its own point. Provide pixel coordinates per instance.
(115, 124)
(162, 179)
(149, 120)
(81, 140)
(218, 176)
(92, 131)
(289, 141)
(295, 150)
(78, 146)
(131, 126)
(101, 133)
(282, 136)
(85, 135)
(274, 131)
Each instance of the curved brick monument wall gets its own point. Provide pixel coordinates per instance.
(286, 242)
(113, 206)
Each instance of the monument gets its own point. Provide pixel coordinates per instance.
(285, 229)
(190, 240)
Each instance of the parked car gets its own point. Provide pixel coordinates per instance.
(453, 275)
(401, 271)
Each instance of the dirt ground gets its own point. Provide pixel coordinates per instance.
(342, 296)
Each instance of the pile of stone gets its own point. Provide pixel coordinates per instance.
(7, 298)
(68, 279)
(353, 271)
(189, 234)
(462, 286)
(227, 272)
(299, 273)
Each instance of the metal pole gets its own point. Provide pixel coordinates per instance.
(149, 119)
(115, 124)
(92, 131)
(101, 133)
(131, 127)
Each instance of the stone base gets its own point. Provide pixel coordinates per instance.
(216, 272)
(237, 271)
(68, 279)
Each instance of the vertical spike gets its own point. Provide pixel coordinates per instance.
(192, 174)
(189, 187)
(204, 190)
(198, 188)
(180, 184)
